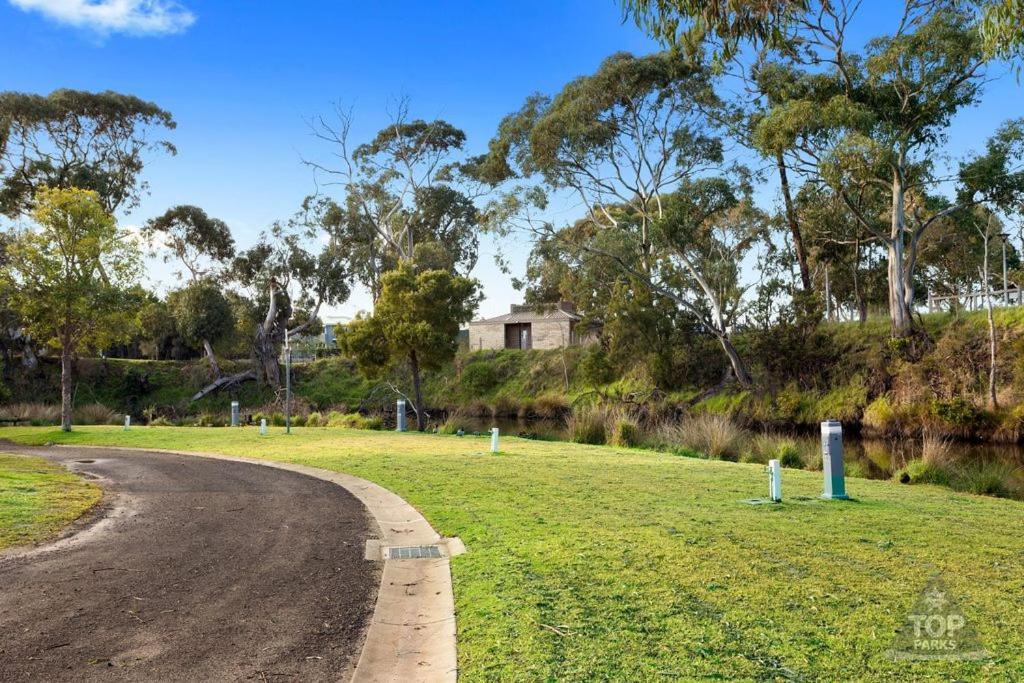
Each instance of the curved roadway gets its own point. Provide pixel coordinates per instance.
(197, 569)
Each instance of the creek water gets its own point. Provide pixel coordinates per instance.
(875, 458)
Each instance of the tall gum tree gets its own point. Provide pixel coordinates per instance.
(620, 140)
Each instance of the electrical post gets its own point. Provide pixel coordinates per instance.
(287, 384)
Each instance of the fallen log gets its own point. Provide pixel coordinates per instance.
(224, 382)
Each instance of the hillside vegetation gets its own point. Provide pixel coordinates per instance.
(848, 371)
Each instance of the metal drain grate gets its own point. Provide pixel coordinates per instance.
(414, 552)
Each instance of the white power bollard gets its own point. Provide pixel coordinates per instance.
(832, 460)
(263, 426)
(127, 422)
(400, 419)
(234, 413)
(775, 481)
(494, 439)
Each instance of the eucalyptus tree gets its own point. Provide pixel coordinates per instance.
(871, 121)
(286, 271)
(204, 247)
(623, 141)
(73, 138)
(405, 187)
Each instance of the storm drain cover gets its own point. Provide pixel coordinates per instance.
(414, 552)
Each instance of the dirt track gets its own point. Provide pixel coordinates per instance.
(198, 570)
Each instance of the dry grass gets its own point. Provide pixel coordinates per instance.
(95, 414)
(34, 413)
(711, 435)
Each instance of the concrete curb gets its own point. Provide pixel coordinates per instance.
(412, 634)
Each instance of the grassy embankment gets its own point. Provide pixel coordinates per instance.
(596, 563)
(845, 371)
(38, 498)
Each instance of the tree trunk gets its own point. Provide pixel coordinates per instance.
(212, 358)
(417, 392)
(899, 275)
(66, 379)
(739, 369)
(992, 399)
(265, 348)
(794, 224)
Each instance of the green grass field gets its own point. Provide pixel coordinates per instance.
(38, 498)
(595, 563)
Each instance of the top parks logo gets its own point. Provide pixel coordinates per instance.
(936, 629)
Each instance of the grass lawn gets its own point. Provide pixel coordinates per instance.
(38, 498)
(598, 563)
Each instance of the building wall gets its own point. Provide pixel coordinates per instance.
(486, 337)
(550, 334)
(546, 334)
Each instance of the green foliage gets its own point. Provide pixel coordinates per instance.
(201, 312)
(74, 138)
(625, 433)
(478, 378)
(588, 424)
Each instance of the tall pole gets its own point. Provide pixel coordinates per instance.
(287, 384)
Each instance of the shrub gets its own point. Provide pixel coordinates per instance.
(595, 368)
(95, 414)
(277, 419)
(353, 421)
(625, 433)
(36, 414)
(454, 421)
(299, 421)
(960, 415)
(160, 421)
(765, 447)
(315, 419)
(551, 406)
(505, 406)
(880, 416)
(921, 472)
(994, 478)
(712, 435)
(211, 420)
(478, 378)
(588, 424)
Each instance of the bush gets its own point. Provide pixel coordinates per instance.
(880, 416)
(989, 479)
(299, 421)
(454, 422)
(921, 472)
(160, 422)
(36, 414)
(315, 419)
(595, 368)
(277, 419)
(550, 406)
(588, 424)
(478, 378)
(712, 435)
(765, 447)
(211, 420)
(625, 433)
(95, 414)
(353, 421)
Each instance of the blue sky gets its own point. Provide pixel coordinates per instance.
(242, 78)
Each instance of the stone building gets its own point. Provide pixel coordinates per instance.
(548, 326)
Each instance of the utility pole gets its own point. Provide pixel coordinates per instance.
(287, 384)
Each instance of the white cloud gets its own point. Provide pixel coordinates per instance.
(138, 17)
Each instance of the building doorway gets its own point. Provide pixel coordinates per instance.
(518, 336)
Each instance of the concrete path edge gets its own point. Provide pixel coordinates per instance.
(411, 636)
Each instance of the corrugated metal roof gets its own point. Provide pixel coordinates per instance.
(529, 316)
